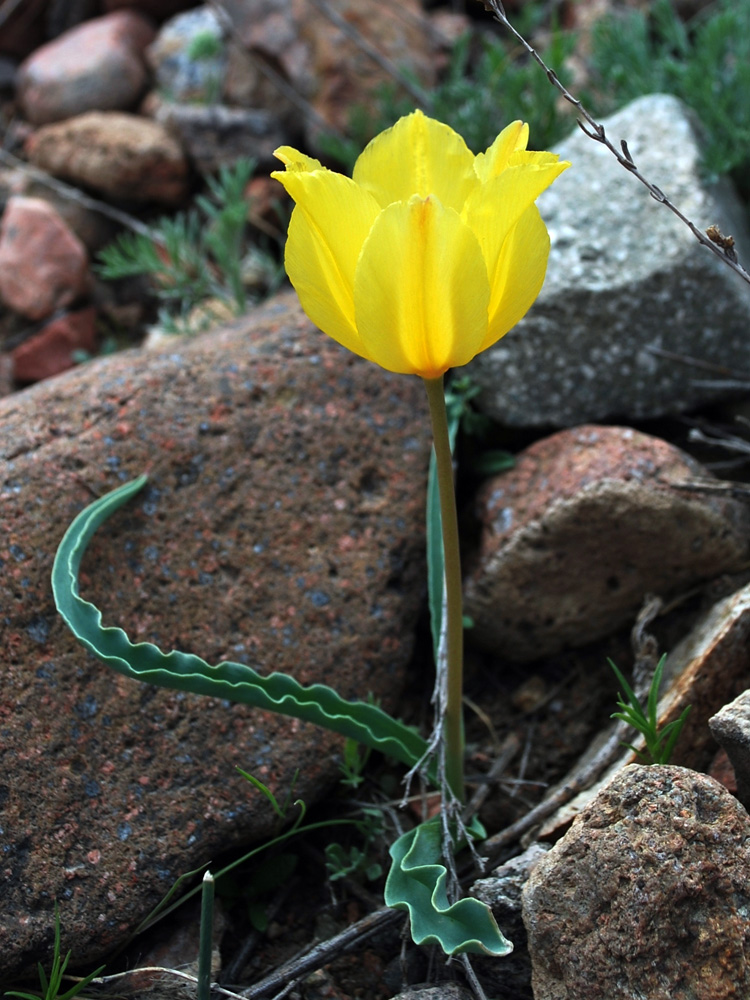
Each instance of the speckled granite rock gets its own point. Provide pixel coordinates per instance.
(440, 991)
(119, 155)
(584, 526)
(646, 895)
(97, 65)
(282, 526)
(43, 265)
(625, 276)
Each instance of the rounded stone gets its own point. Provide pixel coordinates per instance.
(646, 895)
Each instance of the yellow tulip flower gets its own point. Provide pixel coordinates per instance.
(428, 254)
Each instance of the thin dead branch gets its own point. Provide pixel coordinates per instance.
(323, 953)
(275, 78)
(583, 776)
(73, 194)
(509, 749)
(719, 245)
(351, 32)
(8, 9)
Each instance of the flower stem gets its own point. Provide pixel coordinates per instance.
(453, 729)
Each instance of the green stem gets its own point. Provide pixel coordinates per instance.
(453, 720)
(205, 946)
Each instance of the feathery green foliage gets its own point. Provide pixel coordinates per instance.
(198, 254)
(705, 63)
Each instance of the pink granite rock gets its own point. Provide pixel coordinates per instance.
(52, 349)
(92, 228)
(97, 65)
(43, 264)
(646, 895)
(282, 526)
(117, 154)
(586, 524)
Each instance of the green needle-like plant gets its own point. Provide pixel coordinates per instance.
(51, 984)
(660, 743)
(195, 255)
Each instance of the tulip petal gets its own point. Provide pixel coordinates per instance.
(493, 210)
(328, 227)
(519, 276)
(294, 160)
(527, 157)
(495, 159)
(420, 290)
(418, 155)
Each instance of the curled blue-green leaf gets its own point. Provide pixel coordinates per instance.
(417, 883)
(235, 682)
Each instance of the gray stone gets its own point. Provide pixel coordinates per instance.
(730, 727)
(282, 526)
(440, 991)
(501, 891)
(625, 279)
(214, 135)
(646, 895)
(189, 57)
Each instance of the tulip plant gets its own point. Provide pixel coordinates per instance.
(422, 259)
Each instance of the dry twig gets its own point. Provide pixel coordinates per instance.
(371, 52)
(719, 245)
(73, 194)
(273, 76)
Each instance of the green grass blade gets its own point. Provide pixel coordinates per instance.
(673, 731)
(629, 692)
(264, 790)
(81, 984)
(205, 946)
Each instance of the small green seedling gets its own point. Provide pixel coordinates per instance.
(206, 44)
(51, 985)
(343, 861)
(353, 765)
(282, 809)
(659, 743)
(205, 947)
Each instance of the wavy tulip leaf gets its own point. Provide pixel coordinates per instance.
(236, 682)
(416, 882)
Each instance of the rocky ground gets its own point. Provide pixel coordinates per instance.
(283, 526)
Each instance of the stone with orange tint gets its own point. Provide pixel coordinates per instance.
(282, 526)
